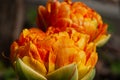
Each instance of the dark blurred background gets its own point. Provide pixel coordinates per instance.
(18, 14)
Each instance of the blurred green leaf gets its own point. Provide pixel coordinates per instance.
(110, 26)
(7, 73)
(115, 68)
(1, 66)
(31, 15)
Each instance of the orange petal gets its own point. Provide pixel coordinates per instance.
(91, 55)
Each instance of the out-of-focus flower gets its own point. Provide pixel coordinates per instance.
(60, 56)
(77, 15)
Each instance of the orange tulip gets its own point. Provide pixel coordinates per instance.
(76, 15)
(45, 53)
(66, 50)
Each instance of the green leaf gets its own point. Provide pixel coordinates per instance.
(90, 75)
(68, 72)
(27, 73)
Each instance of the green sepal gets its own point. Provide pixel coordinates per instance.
(101, 42)
(68, 72)
(27, 73)
(90, 75)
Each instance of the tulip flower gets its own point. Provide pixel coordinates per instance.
(64, 45)
(77, 15)
(66, 55)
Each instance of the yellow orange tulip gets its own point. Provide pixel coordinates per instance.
(46, 53)
(77, 15)
(64, 45)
